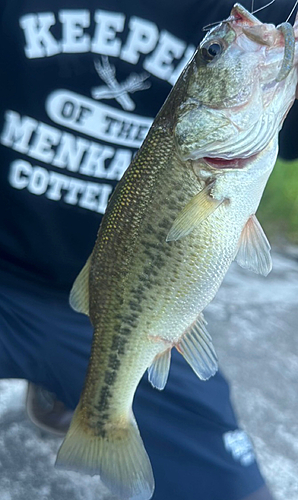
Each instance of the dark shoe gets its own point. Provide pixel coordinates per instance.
(46, 412)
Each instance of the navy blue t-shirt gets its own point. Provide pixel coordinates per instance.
(81, 82)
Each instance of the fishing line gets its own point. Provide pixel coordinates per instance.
(206, 28)
(292, 11)
(265, 6)
(231, 18)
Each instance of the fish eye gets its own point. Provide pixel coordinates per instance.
(212, 50)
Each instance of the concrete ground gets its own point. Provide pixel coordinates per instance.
(254, 322)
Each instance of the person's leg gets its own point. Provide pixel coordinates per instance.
(189, 429)
(193, 441)
(44, 341)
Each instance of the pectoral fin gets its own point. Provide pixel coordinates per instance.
(196, 347)
(79, 295)
(254, 248)
(158, 372)
(197, 209)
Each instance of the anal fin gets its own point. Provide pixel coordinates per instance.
(196, 347)
(158, 372)
(254, 248)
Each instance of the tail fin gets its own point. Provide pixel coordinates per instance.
(119, 458)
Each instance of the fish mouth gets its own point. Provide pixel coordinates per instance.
(224, 164)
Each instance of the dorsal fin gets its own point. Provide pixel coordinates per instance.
(79, 294)
(254, 248)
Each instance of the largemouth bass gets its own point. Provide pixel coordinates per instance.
(184, 210)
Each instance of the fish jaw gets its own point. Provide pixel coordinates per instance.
(244, 186)
(236, 104)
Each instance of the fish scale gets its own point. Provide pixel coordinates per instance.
(109, 335)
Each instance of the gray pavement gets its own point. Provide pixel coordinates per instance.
(253, 321)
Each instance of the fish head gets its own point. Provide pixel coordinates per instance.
(236, 91)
